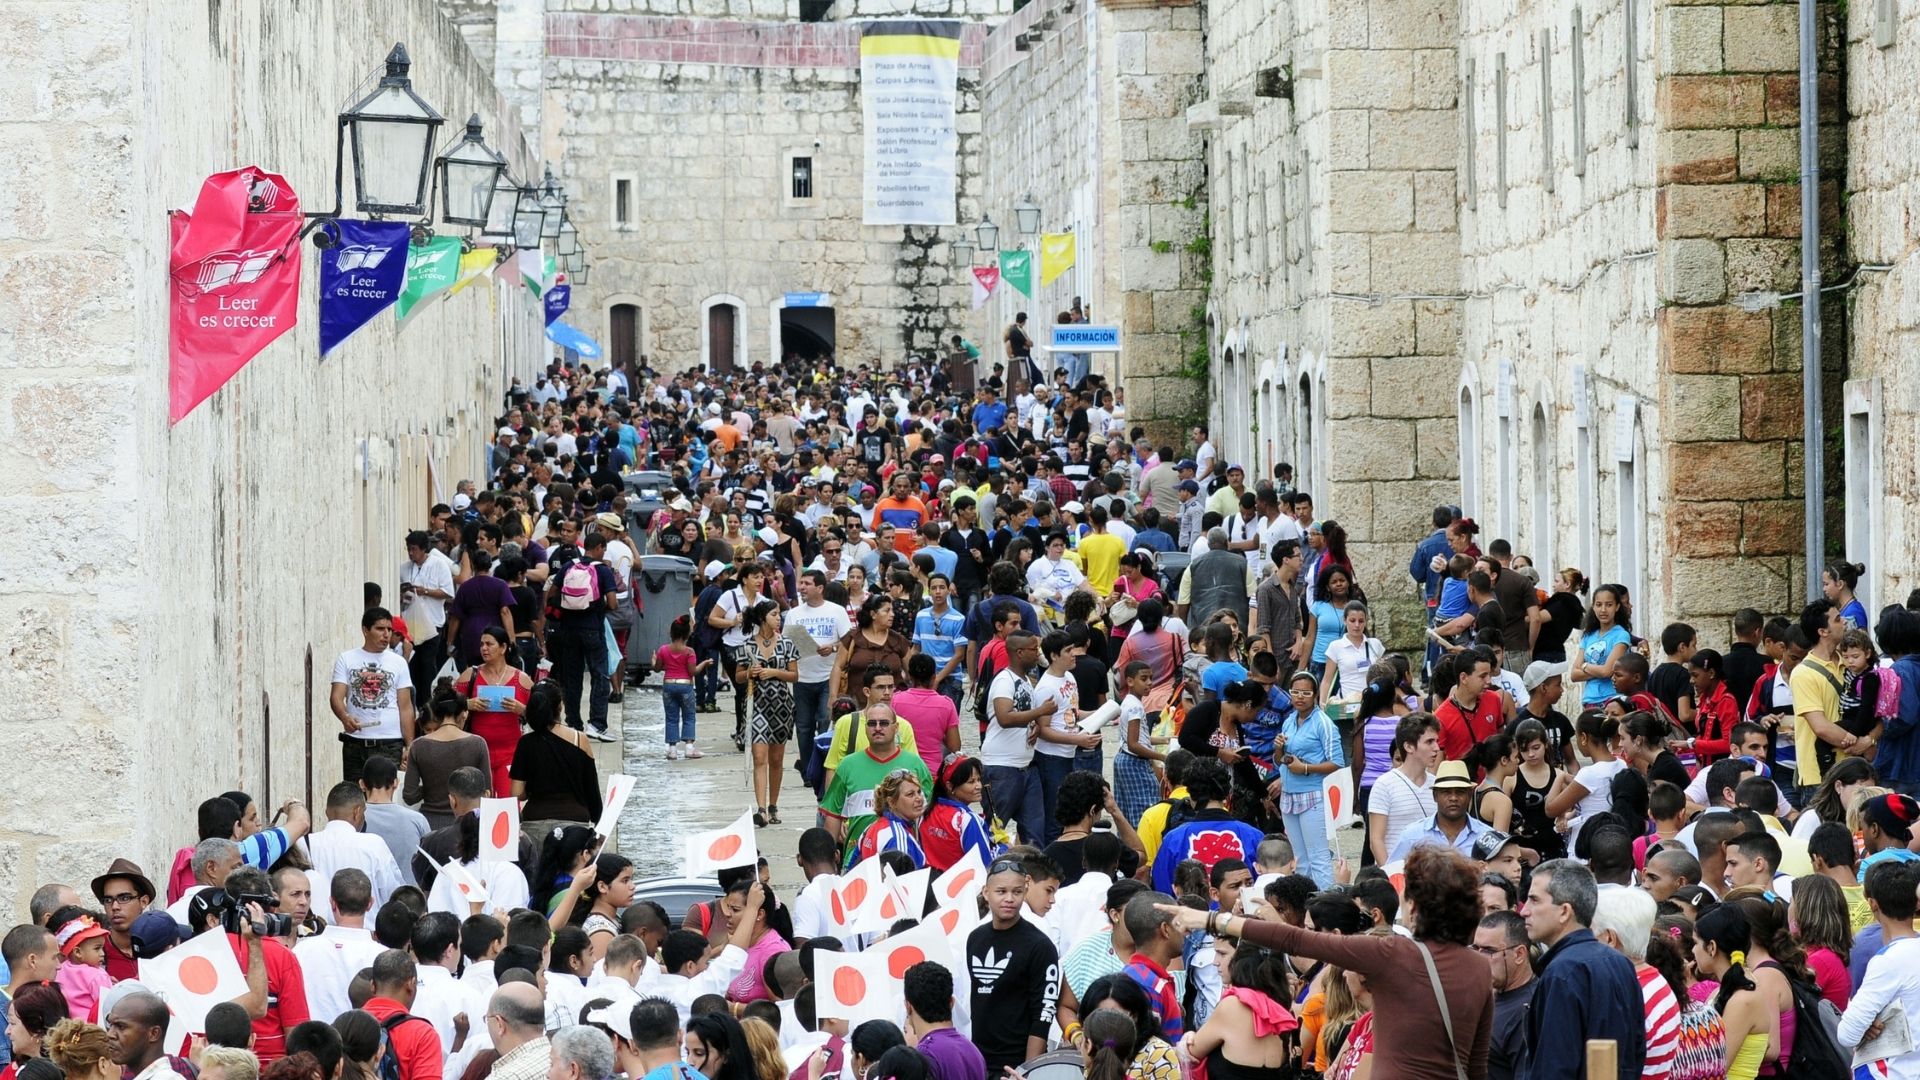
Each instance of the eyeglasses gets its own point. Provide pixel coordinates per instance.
(1488, 950)
(119, 898)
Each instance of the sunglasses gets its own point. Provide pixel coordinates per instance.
(1006, 866)
(878, 723)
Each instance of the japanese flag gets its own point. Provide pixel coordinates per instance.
(963, 880)
(469, 888)
(957, 920)
(500, 830)
(918, 945)
(195, 977)
(855, 987)
(854, 902)
(721, 848)
(906, 897)
(1336, 798)
(1396, 872)
(619, 786)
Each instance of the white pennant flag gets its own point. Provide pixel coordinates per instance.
(854, 987)
(926, 942)
(721, 848)
(469, 887)
(985, 280)
(195, 977)
(957, 920)
(906, 897)
(500, 830)
(963, 879)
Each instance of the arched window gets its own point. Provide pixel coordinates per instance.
(1542, 494)
(1469, 450)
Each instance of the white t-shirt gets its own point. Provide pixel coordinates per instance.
(1401, 801)
(1007, 745)
(373, 682)
(620, 557)
(1132, 709)
(1353, 662)
(1065, 694)
(810, 908)
(828, 623)
(1597, 778)
(427, 612)
(1053, 580)
(733, 604)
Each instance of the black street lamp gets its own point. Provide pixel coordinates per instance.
(527, 216)
(579, 276)
(569, 240)
(392, 131)
(1027, 216)
(506, 198)
(468, 175)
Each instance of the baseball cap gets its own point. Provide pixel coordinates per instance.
(715, 569)
(1895, 814)
(1188, 463)
(1236, 468)
(153, 933)
(1190, 486)
(767, 536)
(937, 459)
(1075, 507)
(1452, 774)
(462, 501)
(507, 431)
(1490, 843)
(1540, 671)
(681, 504)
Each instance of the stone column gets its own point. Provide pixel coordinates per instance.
(1156, 204)
(1392, 92)
(1728, 215)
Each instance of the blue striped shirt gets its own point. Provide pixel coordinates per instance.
(939, 636)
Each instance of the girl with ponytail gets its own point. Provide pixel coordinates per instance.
(1722, 938)
(1108, 1040)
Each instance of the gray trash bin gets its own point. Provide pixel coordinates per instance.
(664, 586)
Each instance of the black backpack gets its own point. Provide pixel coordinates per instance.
(1817, 1053)
(388, 1067)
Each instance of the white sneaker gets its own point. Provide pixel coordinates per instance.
(673, 752)
(694, 751)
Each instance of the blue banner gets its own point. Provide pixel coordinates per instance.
(361, 275)
(557, 299)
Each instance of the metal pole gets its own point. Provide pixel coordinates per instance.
(1813, 415)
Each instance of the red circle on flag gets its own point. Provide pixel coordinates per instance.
(197, 975)
(855, 892)
(465, 890)
(950, 920)
(899, 960)
(502, 831)
(890, 907)
(958, 883)
(1333, 800)
(839, 911)
(724, 848)
(849, 986)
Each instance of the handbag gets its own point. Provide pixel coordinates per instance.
(1446, 1014)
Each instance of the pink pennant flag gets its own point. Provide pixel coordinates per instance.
(985, 280)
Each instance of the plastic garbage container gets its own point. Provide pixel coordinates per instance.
(665, 593)
(648, 490)
(1171, 565)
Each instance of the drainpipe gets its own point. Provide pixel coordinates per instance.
(1812, 416)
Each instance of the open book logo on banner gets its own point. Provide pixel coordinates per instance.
(227, 270)
(363, 256)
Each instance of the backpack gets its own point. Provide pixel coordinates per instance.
(579, 586)
(388, 1067)
(1817, 1054)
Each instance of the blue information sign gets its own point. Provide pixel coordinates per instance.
(1084, 337)
(807, 299)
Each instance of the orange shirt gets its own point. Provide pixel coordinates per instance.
(728, 435)
(906, 516)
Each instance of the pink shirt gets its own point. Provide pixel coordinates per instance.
(675, 662)
(82, 985)
(1830, 972)
(931, 715)
(751, 983)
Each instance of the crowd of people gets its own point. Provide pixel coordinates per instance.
(937, 597)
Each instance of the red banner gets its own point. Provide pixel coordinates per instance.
(236, 280)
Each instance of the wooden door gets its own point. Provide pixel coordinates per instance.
(624, 335)
(722, 320)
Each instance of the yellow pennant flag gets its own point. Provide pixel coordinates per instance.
(473, 266)
(1056, 255)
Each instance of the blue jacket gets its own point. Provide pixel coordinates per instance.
(1586, 991)
(1209, 836)
(1421, 568)
(1899, 756)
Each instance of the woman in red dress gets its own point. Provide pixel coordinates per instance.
(495, 716)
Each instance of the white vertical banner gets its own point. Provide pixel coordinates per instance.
(909, 79)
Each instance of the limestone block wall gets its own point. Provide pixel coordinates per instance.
(162, 606)
(1557, 400)
(1880, 399)
(1728, 215)
(701, 118)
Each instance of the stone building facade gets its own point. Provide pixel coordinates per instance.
(1545, 250)
(173, 597)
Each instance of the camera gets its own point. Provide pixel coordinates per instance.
(233, 913)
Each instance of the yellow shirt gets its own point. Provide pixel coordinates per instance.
(857, 720)
(1153, 824)
(1101, 553)
(1812, 692)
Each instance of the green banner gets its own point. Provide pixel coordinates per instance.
(1016, 269)
(432, 267)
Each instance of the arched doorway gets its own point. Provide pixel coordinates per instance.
(1469, 450)
(1542, 494)
(623, 335)
(721, 344)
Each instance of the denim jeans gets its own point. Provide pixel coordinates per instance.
(706, 681)
(1308, 834)
(1052, 770)
(811, 700)
(1015, 796)
(1093, 761)
(577, 654)
(680, 714)
(953, 690)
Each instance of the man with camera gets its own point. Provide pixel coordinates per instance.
(276, 990)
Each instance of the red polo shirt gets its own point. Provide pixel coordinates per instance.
(286, 997)
(1461, 728)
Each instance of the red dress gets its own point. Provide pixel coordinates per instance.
(501, 730)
